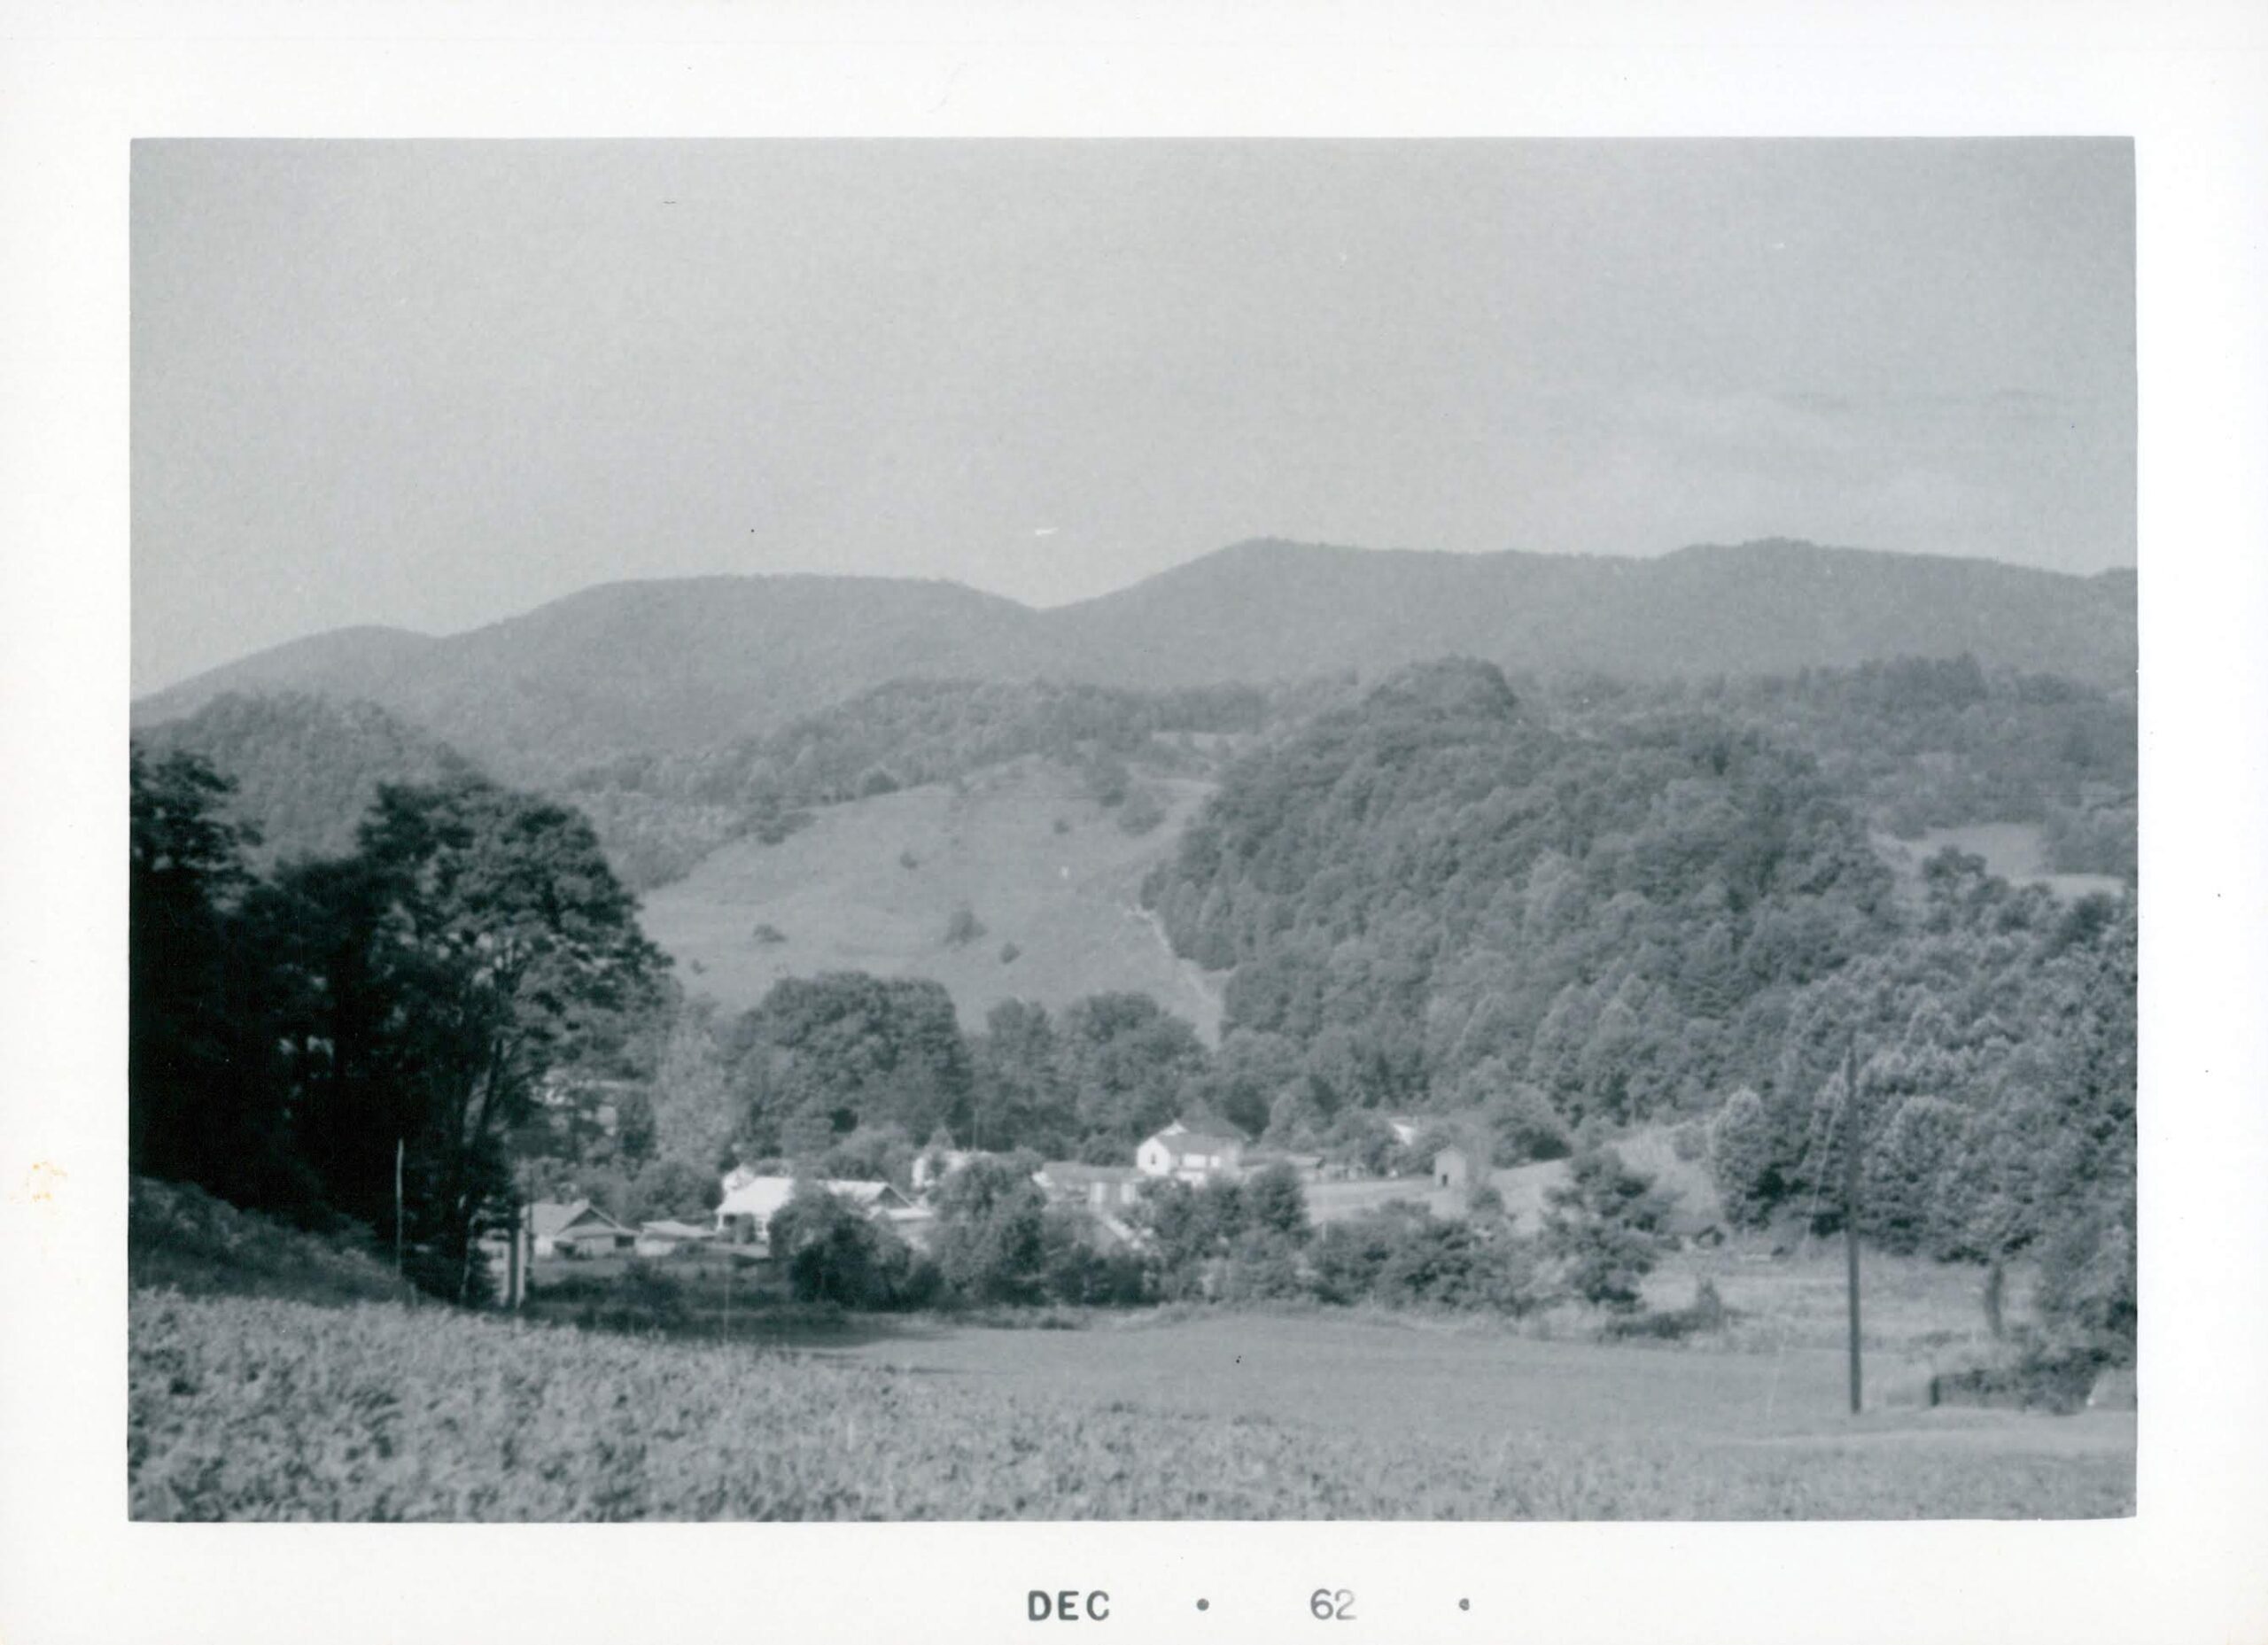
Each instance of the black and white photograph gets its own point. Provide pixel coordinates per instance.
(1143, 830)
(1240, 824)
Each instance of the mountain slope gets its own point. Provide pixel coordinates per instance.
(1271, 609)
(688, 664)
(646, 667)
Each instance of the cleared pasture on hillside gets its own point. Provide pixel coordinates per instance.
(2016, 851)
(840, 896)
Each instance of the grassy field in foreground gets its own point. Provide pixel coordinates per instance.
(266, 1408)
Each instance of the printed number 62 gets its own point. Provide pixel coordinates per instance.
(1333, 1606)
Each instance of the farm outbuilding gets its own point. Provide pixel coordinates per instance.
(576, 1229)
(1452, 1168)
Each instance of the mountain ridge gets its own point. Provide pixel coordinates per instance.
(678, 663)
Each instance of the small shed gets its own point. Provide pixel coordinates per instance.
(1452, 1168)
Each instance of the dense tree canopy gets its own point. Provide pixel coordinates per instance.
(292, 1037)
(1436, 879)
(206, 1104)
(822, 1055)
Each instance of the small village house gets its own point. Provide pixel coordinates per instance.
(667, 1238)
(1190, 1156)
(576, 1229)
(745, 1213)
(1112, 1188)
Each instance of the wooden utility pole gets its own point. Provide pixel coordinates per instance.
(397, 1207)
(514, 1276)
(1850, 1203)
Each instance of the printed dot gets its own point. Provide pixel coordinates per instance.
(1465, 1604)
(1204, 1604)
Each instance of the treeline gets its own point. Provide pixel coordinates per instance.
(856, 1073)
(660, 813)
(344, 1036)
(1000, 1241)
(1994, 1105)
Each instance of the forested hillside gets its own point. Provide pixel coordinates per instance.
(1443, 897)
(1439, 879)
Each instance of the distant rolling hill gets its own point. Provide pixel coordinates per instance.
(646, 667)
(839, 895)
(688, 664)
(1269, 610)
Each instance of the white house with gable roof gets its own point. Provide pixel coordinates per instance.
(1189, 1156)
(744, 1215)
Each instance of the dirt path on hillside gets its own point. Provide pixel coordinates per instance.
(1191, 973)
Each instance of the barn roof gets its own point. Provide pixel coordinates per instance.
(1071, 1173)
(761, 1196)
(550, 1218)
(1181, 1145)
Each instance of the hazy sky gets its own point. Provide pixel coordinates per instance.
(433, 385)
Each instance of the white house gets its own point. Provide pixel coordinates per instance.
(1189, 1156)
(744, 1216)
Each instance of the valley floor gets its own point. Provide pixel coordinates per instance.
(269, 1408)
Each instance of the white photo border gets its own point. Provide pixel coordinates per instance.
(78, 81)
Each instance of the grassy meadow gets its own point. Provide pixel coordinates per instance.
(268, 1408)
(840, 896)
(2016, 851)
